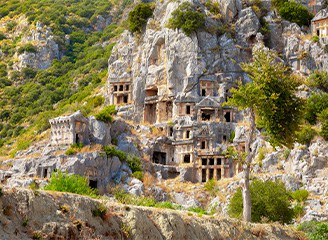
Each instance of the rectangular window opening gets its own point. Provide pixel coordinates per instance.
(204, 161)
(188, 109)
(186, 158)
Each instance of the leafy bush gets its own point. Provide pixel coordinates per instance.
(270, 200)
(315, 230)
(298, 210)
(27, 48)
(137, 18)
(324, 130)
(105, 115)
(306, 134)
(2, 36)
(187, 17)
(300, 195)
(64, 182)
(315, 38)
(134, 163)
(74, 148)
(210, 185)
(139, 175)
(319, 79)
(316, 103)
(214, 8)
(111, 151)
(293, 12)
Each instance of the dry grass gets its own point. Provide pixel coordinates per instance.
(91, 148)
(307, 37)
(149, 180)
(258, 230)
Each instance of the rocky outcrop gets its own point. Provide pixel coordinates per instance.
(46, 49)
(96, 166)
(30, 214)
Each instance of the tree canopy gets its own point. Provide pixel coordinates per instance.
(187, 17)
(270, 200)
(271, 95)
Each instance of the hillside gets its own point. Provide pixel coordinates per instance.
(47, 215)
(53, 58)
(137, 97)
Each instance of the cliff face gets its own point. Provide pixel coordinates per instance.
(174, 62)
(30, 214)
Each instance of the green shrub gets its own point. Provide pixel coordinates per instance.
(270, 200)
(214, 8)
(210, 185)
(64, 182)
(2, 36)
(198, 210)
(137, 18)
(187, 17)
(139, 175)
(111, 151)
(319, 79)
(306, 134)
(298, 210)
(315, 38)
(232, 136)
(286, 153)
(100, 211)
(70, 151)
(105, 115)
(134, 163)
(315, 230)
(114, 141)
(27, 48)
(324, 130)
(74, 148)
(294, 12)
(300, 195)
(315, 104)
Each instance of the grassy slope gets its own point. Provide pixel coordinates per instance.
(30, 97)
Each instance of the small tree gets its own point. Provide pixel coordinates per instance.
(187, 17)
(138, 17)
(271, 104)
(270, 201)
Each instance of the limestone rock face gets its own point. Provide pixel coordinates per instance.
(247, 25)
(46, 49)
(230, 8)
(168, 60)
(100, 131)
(94, 165)
(70, 216)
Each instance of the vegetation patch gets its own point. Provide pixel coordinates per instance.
(187, 17)
(106, 115)
(100, 211)
(73, 183)
(315, 230)
(270, 202)
(306, 134)
(74, 148)
(293, 11)
(138, 17)
(111, 151)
